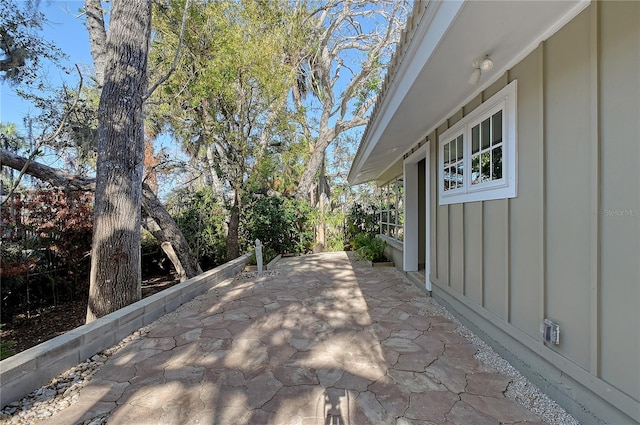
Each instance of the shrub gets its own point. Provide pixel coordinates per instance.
(361, 220)
(282, 225)
(46, 239)
(201, 217)
(370, 248)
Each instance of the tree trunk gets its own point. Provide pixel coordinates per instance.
(311, 171)
(97, 38)
(233, 244)
(115, 279)
(170, 234)
(160, 224)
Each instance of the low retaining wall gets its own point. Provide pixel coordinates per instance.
(35, 367)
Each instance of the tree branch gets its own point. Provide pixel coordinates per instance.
(42, 141)
(177, 55)
(53, 176)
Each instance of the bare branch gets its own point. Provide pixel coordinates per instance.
(53, 176)
(42, 141)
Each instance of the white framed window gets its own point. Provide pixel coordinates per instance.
(392, 210)
(478, 155)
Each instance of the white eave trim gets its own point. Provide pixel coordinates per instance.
(430, 31)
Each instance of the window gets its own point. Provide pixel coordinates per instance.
(392, 210)
(484, 144)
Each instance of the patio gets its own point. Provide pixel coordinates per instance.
(319, 340)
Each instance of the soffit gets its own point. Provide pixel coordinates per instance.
(431, 83)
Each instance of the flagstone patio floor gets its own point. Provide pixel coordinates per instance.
(320, 340)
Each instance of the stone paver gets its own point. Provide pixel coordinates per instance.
(324, 341)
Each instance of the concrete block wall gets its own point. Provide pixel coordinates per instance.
(35, 367)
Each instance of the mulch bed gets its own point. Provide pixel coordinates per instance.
(50, 322)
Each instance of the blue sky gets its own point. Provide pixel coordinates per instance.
(65, 28)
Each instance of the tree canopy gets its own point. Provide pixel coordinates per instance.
(21, 48)
(253, 92)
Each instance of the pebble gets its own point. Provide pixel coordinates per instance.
(63, 390)
(520, 389)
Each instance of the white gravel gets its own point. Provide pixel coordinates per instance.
(63, 390)
(520, 389)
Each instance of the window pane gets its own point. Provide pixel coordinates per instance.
(475, 170)
(392, 231)
(400, 233)
(485, 166)
(445, 177)
(475, 139)
(384, 217)
(486, 133)
(452, 150)
(496, 159)
(452, 177)
(446, 154)
(459, 149)
(497, 128)
(460, 175)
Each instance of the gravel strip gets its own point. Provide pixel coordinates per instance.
(63, 390)
(520, 389)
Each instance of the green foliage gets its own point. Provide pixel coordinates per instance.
(362, 219)
(201, 218)
(282, 225)
(6, 347)
(334, 229)
(231, 73)
(369, 248)
(226, 101)
(11, 139)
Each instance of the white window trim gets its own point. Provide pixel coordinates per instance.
(398, 222)
(506, 100)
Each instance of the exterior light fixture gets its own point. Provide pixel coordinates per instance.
(480, 65)
(486, 64)
(475, 76)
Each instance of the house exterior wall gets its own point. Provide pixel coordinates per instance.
(567, 248)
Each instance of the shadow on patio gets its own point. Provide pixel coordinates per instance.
(322, 340)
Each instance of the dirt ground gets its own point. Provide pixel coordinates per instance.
(50, 322)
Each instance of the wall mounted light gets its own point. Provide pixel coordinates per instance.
(480, 65)
(475, 76)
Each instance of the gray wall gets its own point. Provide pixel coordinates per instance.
(567, 247)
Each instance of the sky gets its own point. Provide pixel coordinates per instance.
(65, 28)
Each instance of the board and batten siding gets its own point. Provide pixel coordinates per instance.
(567, 248)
